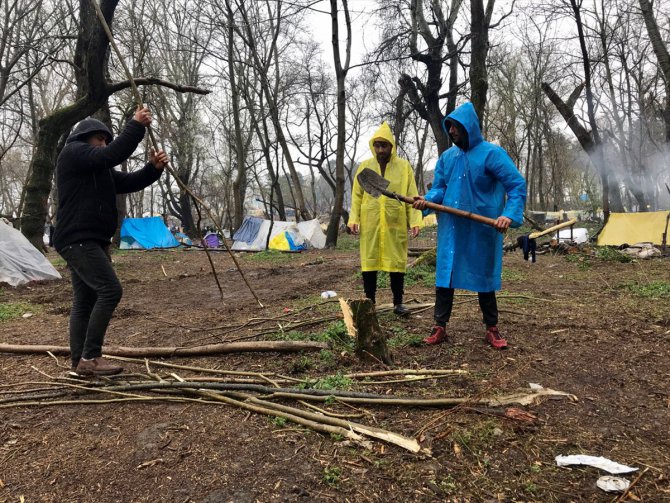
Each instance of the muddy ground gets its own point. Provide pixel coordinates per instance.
(592, 327)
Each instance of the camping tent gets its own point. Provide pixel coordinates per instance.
(577, 235)
(632, 228)
(146, 233)
(20, 261)
(286, 236)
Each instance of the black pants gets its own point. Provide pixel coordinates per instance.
(397, 285)
(96, 293)
(444, 302)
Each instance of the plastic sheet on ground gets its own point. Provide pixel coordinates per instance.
(595, 461)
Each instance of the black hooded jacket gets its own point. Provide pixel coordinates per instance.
(88, 183)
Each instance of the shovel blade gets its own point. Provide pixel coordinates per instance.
(372, 183)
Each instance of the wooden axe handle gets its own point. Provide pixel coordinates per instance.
(446, 209)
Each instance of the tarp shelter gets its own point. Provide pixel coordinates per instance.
(286, 236)
(20, 261)
(578, 235)
(145, 234)
(632, 228)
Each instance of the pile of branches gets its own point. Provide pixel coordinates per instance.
(262, 393)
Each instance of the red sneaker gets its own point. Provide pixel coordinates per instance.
(494, 338)
(437, 336)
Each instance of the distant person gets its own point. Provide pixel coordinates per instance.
(473, 175)
(86, 221)
(382, 222)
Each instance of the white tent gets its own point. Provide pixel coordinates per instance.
(20, 261)
(253, 234)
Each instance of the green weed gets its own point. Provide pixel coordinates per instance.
(303, 364)
(292, 335)
(531, 488)
(512, 275)
(332, 475)
(583, 262)
(326, 356)
(58, 261)
(653, 290)
(273, 257)
(423, 274)
(347, 242)
(11, 310)
(609, 254)
(336, 437)
(402, 338)
(279, 421)
(337, 381)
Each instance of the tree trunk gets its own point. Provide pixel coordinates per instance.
(361, 320)
(341, 75)
(662, 55)
(479, 83)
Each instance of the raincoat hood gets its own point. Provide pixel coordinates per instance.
(383, 133)
(88, 127)
(466, 116)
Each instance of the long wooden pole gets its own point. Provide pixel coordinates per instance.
(535, 235)
(154, 143)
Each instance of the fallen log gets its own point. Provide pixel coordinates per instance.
(166, 352)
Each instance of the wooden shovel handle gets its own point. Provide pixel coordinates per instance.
(448, 209)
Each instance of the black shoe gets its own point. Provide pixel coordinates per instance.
(401, 310)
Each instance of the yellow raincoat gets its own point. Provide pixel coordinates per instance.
(383, 221)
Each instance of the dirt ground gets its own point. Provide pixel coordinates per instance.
(595, 328)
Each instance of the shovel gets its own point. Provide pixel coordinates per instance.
(375, 185)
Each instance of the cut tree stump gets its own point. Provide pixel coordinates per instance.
(362, 324)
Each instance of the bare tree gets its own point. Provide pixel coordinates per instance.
(93, 90)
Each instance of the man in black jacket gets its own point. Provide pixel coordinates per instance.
(86, 221)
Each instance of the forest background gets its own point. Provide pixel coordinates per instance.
(258, 114)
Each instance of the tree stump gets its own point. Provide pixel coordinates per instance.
(360, 318)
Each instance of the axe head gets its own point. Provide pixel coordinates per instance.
(372, 183)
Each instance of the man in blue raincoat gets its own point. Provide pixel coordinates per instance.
(473, 175)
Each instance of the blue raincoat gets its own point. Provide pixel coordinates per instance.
(469, 254)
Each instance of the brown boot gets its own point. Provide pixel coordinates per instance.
(97, 367)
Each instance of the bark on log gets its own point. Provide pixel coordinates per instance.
(166, 352)
(360, 318)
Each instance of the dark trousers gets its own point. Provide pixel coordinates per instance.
(397, 285)
(444, 302)
(96, 293)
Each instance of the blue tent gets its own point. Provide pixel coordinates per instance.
(146, 233)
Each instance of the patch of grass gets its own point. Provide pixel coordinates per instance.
(477, 437)
(12, 310)
(58, 261)
(347, 242)
(336, 437)
(273, 257)
(609, 254)
(303, 364)
(337, 381)
(332, 475)
(582, 261)
(531, 487)
(423, 274)
(326, 356)
(292, 335)
(279, 421)
(512, 275)
(402, 338)
(657, 289)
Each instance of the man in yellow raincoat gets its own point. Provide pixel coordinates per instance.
(383, 222)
